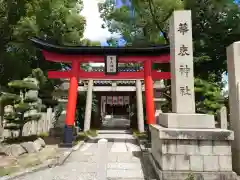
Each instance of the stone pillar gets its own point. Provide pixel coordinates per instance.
(223, 118)
(187, 143)
(49, 119)
(140, 114)
(233, 63)
(88, 109)
(102, 160)
(182, 80)
(181, 51)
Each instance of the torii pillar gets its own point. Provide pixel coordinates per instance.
(71, 105)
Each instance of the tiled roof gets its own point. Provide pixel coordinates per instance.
(110, 82)
(120, 69)
(65, 85)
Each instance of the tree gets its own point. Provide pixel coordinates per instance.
(55, 21)
(139, 22)
(215, 26)
(24, 102)
(208, 97)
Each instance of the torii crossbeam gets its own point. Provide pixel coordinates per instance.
(77, 55)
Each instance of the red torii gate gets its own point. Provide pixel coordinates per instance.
(77, 55)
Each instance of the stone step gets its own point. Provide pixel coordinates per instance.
(114, 132)
(127, 179)
(111, 159)
(124, 166)
(125, 174)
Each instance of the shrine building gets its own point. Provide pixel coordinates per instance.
(116, 99)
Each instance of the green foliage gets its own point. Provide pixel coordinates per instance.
(17, 140)
(46, 87)
(143, 23)
(24, 85)
(81, 106)
(91, 133)
(139, 135)
(22, 105)
(59, 109)
(80, 137)
(190, 177)
(57, 21)
(208, 97)
(8, 98)
(215, 26)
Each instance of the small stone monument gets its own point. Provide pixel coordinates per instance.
(102, 159)
(184, 142)
(223, 118)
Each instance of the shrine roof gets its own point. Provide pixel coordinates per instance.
(101, 50)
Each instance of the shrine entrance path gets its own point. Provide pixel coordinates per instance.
(124, 161)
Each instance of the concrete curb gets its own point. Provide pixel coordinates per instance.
(142, 146)
(49, 164)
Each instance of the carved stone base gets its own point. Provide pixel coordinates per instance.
(206, 153)
(189, 175)
(191, 121)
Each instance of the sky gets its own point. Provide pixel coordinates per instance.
(94, 30)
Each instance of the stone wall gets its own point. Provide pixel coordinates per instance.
(191, 150)
(193, 155)
(199, 151)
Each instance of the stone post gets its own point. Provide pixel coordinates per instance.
(102, 160)
(140, 114)
(49, 119)
(181, 51)
(223, 118)
(182, 80)
(233, 63)
(88, 110)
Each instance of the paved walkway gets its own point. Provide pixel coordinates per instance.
(123, 160)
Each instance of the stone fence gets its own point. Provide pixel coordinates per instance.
(222, 118)
(35, 127)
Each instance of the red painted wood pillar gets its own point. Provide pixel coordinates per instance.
(71, 105)
(150, 109)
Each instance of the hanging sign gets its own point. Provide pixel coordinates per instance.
(126, 100)
(103, 99)
(103, 105)
(115, 100)
(111, 64)
(109, 100)
(120, 100)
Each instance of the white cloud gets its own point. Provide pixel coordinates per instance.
(94, 30)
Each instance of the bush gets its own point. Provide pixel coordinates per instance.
(92, 133)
